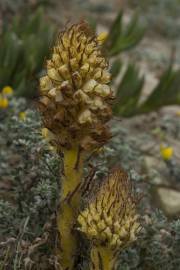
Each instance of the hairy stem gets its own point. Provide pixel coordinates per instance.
(69, 204)
(102, 258)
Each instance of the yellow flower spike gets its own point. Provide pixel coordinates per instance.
(166, 152)
(7, 91)
(77, 79)
(102, 37)
(22, 116)
(118, 225)
(4, 103)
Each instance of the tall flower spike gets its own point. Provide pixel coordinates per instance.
(110, 221)
(75, 95)
(75, 105)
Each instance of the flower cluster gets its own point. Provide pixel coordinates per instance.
(75, 98)
(111, 219)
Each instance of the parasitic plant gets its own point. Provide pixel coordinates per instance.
(110, 221)
(75, 103)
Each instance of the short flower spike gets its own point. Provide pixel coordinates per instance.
(111, 219)
(75, 98)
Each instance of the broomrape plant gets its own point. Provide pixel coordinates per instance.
(75, 104)
(110, 221)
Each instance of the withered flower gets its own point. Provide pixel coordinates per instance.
(111, 220)
(75, 96)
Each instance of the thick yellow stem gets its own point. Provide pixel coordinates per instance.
(69, 205)
(102, 258)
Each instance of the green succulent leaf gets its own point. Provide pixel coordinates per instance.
(128, 92)
(115, 31)
(23, 48)
(167, 92)
(122, 37)
(115, 68)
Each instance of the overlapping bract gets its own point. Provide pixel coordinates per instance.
(75, 95)
(111, 217)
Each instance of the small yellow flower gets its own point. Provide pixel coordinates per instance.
(3, 102)
(7, 90)
(178, 113)
(22, 116)
(166, 152)
(101, 38)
